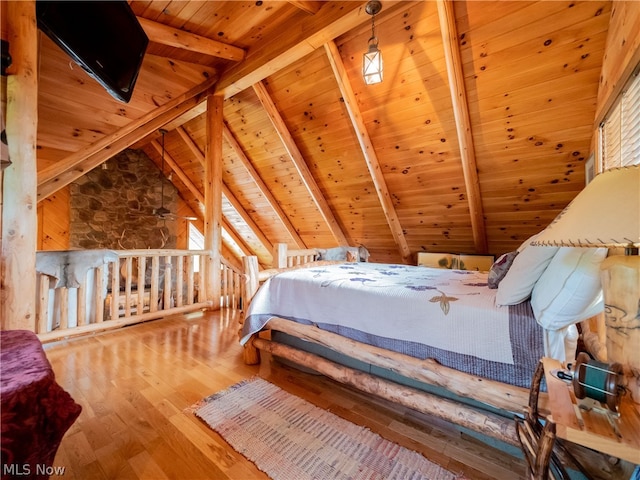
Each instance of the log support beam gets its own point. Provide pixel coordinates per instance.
(19, 187)
(213, 198)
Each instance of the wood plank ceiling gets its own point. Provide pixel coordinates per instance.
(314, 157)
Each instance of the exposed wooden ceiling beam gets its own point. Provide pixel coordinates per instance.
(264, 190)
(62, 173)
(309, 6)
(331, 21)
(368, 151)
(191, 145)
(231, 198)
(175, 124)
(160, 33)
(299, 162)
(463, 122)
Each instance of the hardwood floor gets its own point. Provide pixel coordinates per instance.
(136, 386)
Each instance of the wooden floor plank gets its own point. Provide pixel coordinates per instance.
(138, 387)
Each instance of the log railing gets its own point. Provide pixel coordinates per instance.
(232, 286)
(284, 257)
(107, 296)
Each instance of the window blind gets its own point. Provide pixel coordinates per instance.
(620, 132)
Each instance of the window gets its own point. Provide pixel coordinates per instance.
(196, 242)
(620, 131)
(196, 239)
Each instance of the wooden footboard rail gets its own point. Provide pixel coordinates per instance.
(483, 422)
(495, 394)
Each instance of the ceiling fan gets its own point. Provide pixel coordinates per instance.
(162, 212)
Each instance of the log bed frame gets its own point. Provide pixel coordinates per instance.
(484, 406)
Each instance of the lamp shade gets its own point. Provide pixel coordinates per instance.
(606, 213)
(372, 68)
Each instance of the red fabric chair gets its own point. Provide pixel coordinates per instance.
(35, 412)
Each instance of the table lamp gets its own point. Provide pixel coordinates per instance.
(606, 213)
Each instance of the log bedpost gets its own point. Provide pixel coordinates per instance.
(620, 275)
(280, 255)
(250, 267)
(250, 354)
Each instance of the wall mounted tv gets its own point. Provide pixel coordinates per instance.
(103, 37)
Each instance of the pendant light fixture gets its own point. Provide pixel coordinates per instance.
(372, 60)
(162, 212)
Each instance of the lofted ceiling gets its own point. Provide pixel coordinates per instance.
(313, 157)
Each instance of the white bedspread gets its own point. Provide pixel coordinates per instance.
(450, 310)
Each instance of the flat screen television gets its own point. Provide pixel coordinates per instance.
(103, 37)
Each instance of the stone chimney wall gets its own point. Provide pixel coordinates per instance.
(112, 206)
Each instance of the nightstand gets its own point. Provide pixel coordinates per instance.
(595, 429)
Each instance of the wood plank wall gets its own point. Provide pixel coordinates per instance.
(54, 221)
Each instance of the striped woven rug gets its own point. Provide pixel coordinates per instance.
(289, 438)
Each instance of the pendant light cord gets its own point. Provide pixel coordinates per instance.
(162, 173)
(373, 28)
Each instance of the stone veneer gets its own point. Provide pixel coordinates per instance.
(112, 206)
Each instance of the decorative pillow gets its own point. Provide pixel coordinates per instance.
(350, 254)
(526, 269)
(500, 268)
(569, 288)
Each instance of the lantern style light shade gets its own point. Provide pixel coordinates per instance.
(372, 68)
(606, 213)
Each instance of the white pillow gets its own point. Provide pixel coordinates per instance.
(527, 267)
(570, 287)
